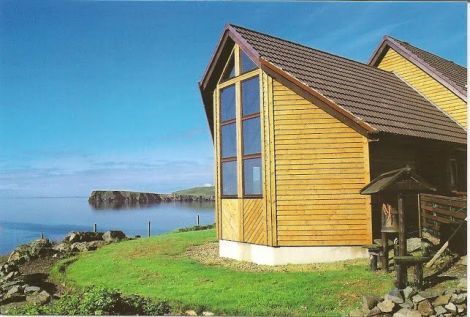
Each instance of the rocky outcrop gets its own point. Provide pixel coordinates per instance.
(115, 199)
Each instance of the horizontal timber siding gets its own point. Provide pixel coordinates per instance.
(435, 92)
(320, 166)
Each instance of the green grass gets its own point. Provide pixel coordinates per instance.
(197, 191)
(158, 268)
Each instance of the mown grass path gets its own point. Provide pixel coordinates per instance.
(158, 268)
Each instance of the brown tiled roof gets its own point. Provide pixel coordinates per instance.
(376, 97)
(452, 71)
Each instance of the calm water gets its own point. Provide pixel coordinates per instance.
(23, 219)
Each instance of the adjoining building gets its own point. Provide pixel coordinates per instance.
(298, 132)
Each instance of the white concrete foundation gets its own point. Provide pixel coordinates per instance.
(261, 254)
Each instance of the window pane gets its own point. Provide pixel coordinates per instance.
(251, 136)
(246, 63)
(227, 103)
(252, 176)
(229, 178)
(250, 96)
(230, 70)
(229, 140)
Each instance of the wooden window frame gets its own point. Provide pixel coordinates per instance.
(238, 120)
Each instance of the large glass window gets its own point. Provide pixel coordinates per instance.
(229, 140)
(246, 63)
(250, 96)
(252, 176)
(227, 103)
(251, 136)
(229, 178)
(229, 71)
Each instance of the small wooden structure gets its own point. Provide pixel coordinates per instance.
(398, 183)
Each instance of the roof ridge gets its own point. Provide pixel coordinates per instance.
(428, 52)
(311, 48)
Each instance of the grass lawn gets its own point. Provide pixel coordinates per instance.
(159, 268)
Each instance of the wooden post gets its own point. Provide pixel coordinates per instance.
(94, 227)
(197, 221)
(42, 235)
(419, 217)
(373, 262)
(384, 251)
(419, 275)
(148, 231)
(401, 268)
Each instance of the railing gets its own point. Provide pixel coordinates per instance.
(438, 213)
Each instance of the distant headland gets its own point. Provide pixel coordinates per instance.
(103, 199)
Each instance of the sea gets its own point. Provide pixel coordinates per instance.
(25, 219)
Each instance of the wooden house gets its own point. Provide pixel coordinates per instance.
(298, 132)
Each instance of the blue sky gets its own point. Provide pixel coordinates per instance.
(103, 94)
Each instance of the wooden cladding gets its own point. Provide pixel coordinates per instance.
(434, 91)
(320, 166)
(438, 211)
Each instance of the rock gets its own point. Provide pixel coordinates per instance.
(407, 304)
(83, 236)
(374, 312)
(463, 260)
(386, 306)
(62, 247)
(31, 289)
(461, 308)
(395, 296)
(413, 244)
(405, 312)
(10, 276)
(417, 298)
(408, 292)
(463, 283)
(425, 308)
(40, 247)
(17, 289)
(429, 294)
(207, 313)
(459, 298)
(190, 313)
(440, 310)
(369, 302)
(93, 245)
(451, 307)
(19, 255)
(356, 313)
(40, 298)
(441, 300)
(8, 285)
(113, 236)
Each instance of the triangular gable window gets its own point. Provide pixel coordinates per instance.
(246, 63)
(229, 71)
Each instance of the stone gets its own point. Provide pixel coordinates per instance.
(461, 308)
(8, 285)
(429, 294)
(413, 244)
(93, 245)
(395, 296)
(405, 312)
(40, 247)
(463, 260)
(408, 292)
(17, 289)
(79, 247)
(407, 304)
(10, 276)
(31, 289)
(190, 313)
(374, 312)
(40, 298)
(62, 247)
(369, 302)
(440, 310)
(19, 254)
(451, 307)
(83, 237)
(207, 313)
(463, 283)
(113, 236)
(441, 300)
(425, 308)
(356, 313)
(459, 298)
(417, 298)
(386, 306)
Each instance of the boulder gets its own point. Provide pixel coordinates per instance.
(62, 247)
(417, 298)
(463, 260)
(31, 289)
(395, 296)
(83, 237)
(40, 298)
(207, 313)
(374, 312)
(190, 313)
(408, 292)
(425, 308)
(405, 312)
(386, 306)
(451, 307)
(113, 236)
(461, 308)
(20, 254)
(407, 304)
(16, 289)
(441, 300)
(356, 313)
(459, 298)
(369, 302)
(40, 247)
(93, 245)
(463, 283)
(440, 310)
(429, 294)
(413, 244)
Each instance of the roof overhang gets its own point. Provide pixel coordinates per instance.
(214, 70)
(388, 42)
